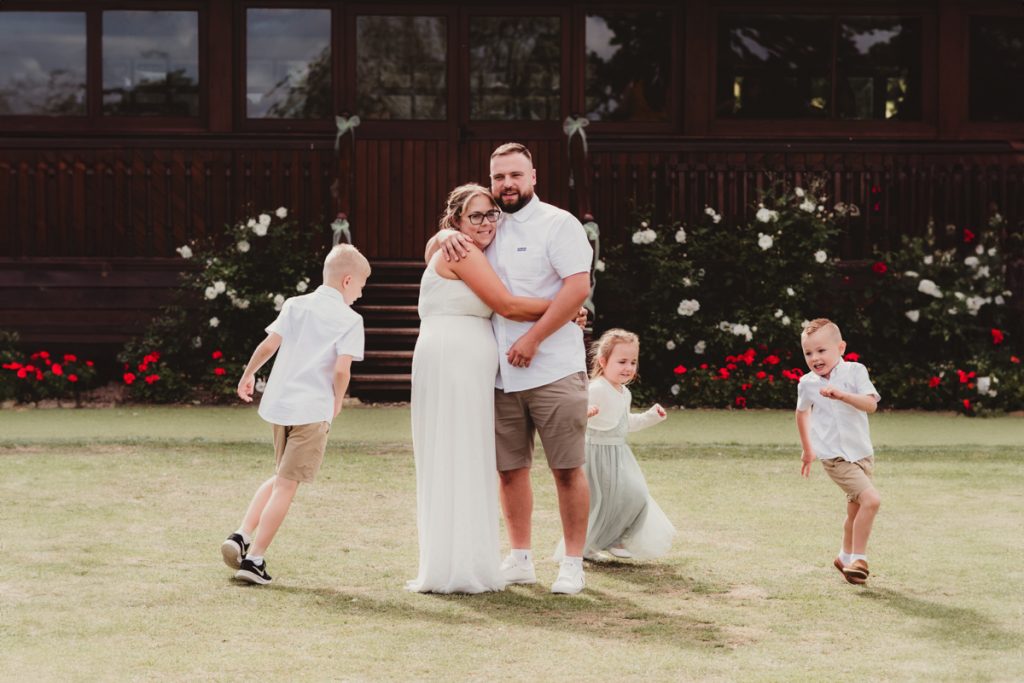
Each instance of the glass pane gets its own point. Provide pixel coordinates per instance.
(628, 66)
(997, 69)
(150, 63)
(774, 66)
(401, 67)
(42, 63)
(515, 68)
(288, 64)
(878, 68)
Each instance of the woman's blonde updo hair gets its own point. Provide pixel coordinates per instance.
(457, 201)
(601, 350)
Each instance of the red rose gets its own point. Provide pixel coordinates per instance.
(723, 373)
(143, 366)
(679, 370)
(89, 363)
(70, 358)
(761, 374)
(1014, 359)
(968, 238)
(152, 378)
(771, 360)
(741, 402)
(880, 268)
(731, 366)
(129, 378)
(219, 371)
(72, 378)
(703, 366)
(852, 356)
(44, 354)
(217, 354)
(967, 404)
(57, 369)
(934, 382)
(22, 373)
(744, 387)
(997, 336)
(39, 375)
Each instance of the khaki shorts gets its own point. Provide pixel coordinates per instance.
(299, 450)
(854, 478)
(558, 411)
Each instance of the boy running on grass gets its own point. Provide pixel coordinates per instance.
(316, 337)
(833, 401)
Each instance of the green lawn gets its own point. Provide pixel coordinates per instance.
(111, 521)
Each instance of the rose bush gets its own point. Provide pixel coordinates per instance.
(42, 375)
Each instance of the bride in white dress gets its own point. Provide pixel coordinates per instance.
(453, 371)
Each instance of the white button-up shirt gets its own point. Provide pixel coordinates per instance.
(837, 430)
(534, 249)
(315, 329)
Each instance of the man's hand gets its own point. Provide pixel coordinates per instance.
(246, 386)
(523, 351)
(805, 467)
(833, 392)
(592, 411)
(453, 245)
(581, 318)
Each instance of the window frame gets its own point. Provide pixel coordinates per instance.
(969, 129)
(926, 127)
(94, 120)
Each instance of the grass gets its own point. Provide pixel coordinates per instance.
(111, 522)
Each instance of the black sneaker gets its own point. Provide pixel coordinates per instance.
(234, 550)
(250, 572)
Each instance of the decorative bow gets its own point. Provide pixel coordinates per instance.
(340, 227)
(594, 235)
(345, 124)
(574, 126)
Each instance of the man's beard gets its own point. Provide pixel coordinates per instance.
(523, 200)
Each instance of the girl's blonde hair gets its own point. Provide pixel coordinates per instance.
(601, 350)
(456, 203)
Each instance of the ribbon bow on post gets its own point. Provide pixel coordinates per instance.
(340, 227)
(594, 235)
(345, 124)
(574, 126)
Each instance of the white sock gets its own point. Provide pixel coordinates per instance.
(575, 561)
(844, 557)
(854, 557)
(522, 555)
(256, 560)
(245, 537)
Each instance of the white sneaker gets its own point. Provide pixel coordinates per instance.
(570, 579)
(620, 552)
(515, 572)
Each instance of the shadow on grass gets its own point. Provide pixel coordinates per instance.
(947, 623)
(601, 613)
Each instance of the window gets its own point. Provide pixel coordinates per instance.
(628, 66)
(515, 68)
(288, 64)
(42, 64)
(401, 67)
(150, 63)
(997, 69)
(781, 66)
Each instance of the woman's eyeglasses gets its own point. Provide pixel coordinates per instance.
(478, 218)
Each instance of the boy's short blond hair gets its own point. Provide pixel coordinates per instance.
(821, 324)
(342, 260)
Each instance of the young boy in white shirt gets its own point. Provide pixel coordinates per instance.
(833, 401)
(316, 338)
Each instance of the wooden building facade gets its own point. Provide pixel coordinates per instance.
(129, 127)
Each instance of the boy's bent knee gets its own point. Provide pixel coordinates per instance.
(870, 499)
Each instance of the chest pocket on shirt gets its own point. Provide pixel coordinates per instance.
(528, 265)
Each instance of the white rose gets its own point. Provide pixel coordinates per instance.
(261, 384)
(241, 303)
(928, 287)
(243, 246)
(251, 223)
(699, 348)
(264, 219)
(992, 251)
(928, 260)
(302, 286)
(724, 326)
(979, 250)
(687, 282)
(971, 261)
(599, 266)
(214, 322)
(716, 219)
(983, 384)
(670, 345)
(766, 215)
(798, 191)
(281, 212)
(210, 293)
(785, 320)
(687, 307)
(999, 300)
(779, 313)
(911, 273)
(789, 291)
(220, 286)
(764, 241)
(809, 206)
(681, 236)
(185, 251)
(914, 315)
(259, 230)
(820, 256)
(197, 342)
(278, 302)
(674, 389)
(981, 272)
(709, 211)
(643, 224)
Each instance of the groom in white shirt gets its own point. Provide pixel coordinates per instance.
(539, 251)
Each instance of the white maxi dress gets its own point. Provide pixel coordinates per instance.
(453, 370)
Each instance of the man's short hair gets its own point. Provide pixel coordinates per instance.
(345, 259)
(818, 324)
(512, 148)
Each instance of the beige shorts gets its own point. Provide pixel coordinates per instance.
(558, 411)
(299, 450)
(854, 478)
